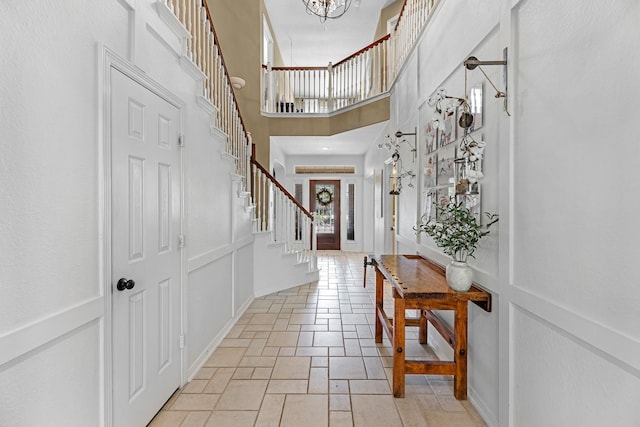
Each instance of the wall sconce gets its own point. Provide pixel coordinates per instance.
(472, 63)
(399, 174)
(394, 143)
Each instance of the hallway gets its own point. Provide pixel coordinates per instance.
(307, 357)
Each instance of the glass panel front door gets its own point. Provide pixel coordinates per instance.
(325, 203)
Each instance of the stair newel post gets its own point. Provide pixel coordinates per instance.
(307, 237)
(314, 242)
(287, 223)
(271, 103)
(290, 242)
(271, 214)
(330, 106)
(302, 234)
(247, 171)
(263, 202)
(254, 189)
(296, 227)
(299, 233)
(278, 216)
(286, 206)
(282, 218)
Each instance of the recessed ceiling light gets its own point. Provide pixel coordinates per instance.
(325, 148)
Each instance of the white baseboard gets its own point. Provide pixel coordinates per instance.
(213, 345)
(443, 350)
(483, 410)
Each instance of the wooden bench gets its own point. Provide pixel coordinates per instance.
(419, 284)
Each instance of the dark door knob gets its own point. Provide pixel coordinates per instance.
(125, 284)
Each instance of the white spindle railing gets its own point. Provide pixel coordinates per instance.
(412, 20)
(362, 76)
(286, 219)
(203, 49)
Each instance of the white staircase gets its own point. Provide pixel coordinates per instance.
(284, 248)
(276, 269)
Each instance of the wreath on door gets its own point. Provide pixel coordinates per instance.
(324, 197)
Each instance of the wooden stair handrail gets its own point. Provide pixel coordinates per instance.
(284, 190)
(404, 4)
(297, 68)
(226, 70)
(353, 55)
(364, 49)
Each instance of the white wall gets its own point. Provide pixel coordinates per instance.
(571, 285)
(561, 346)
(52, 309)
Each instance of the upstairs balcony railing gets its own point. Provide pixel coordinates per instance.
(357, 78)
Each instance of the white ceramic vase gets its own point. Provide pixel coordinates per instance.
(459, 276)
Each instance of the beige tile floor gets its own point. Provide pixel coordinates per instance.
(306, 357)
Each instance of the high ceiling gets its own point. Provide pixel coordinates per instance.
(305, 41)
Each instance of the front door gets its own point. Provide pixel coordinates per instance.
(146, 225)
(325, 202)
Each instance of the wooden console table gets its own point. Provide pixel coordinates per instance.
(419, 284)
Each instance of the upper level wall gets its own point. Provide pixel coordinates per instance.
(238, 25)
(385, 14)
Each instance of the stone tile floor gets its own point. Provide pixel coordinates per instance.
(306, 357)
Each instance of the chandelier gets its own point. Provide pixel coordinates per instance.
(327, 9)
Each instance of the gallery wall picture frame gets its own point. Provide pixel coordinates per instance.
(431, 137)
(446, 165)
(430, 170)
(464, 184)
(444, 195)
(447, 135)
(428, 132)
(473, 202)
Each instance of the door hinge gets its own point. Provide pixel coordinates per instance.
(181, 341)
(181, 141)
(181, 240)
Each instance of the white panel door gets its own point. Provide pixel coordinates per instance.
(145, 250)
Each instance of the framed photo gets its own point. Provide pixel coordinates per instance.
(443, 197)
(464, 183)
(448, 135)
(430, 171)
(428, 132)
(476, 100)
(446, 165)
(472, 203)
